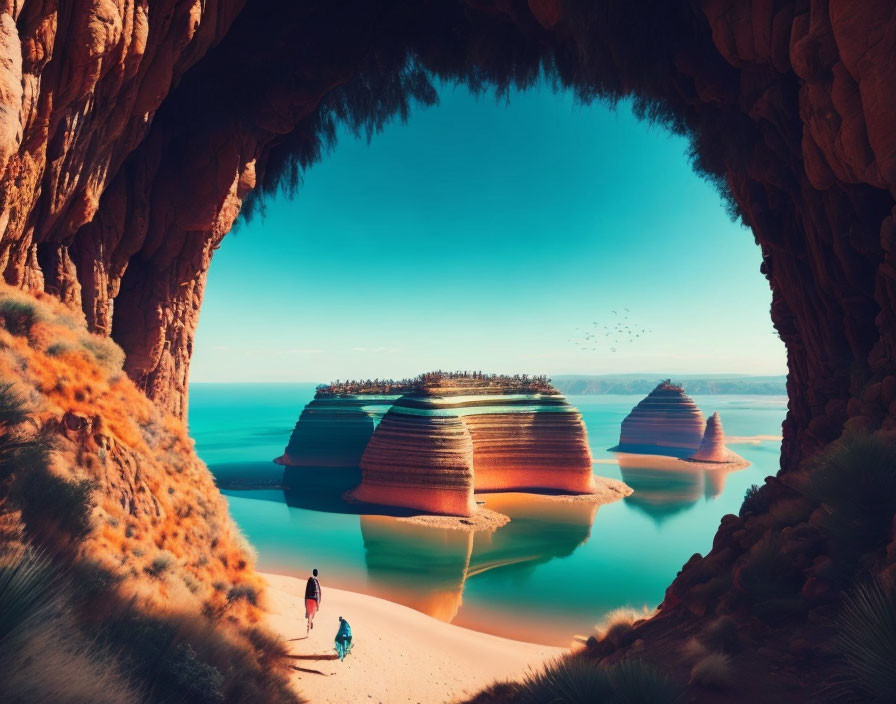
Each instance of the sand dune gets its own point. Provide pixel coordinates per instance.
(400, 655)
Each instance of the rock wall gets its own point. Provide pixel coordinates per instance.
(151, 501)
(665, 422)
(131, 135)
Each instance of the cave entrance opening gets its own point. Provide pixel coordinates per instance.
(534, 235)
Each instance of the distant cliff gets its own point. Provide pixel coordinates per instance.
(575, 384)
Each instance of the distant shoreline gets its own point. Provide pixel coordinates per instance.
(623, 384)
(697, 385)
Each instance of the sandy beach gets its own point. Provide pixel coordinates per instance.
(399, 655)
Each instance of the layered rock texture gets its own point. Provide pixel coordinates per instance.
(130, 139)
(665, 422)
(438, 445)
(332, 433)
(419, 459)
(712, 447)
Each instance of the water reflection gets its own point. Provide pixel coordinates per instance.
(426, 568)
(664, 486)
(418, 566)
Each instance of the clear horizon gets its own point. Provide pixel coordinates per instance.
(658, 375)
(502, 237)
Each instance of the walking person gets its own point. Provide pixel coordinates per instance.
(312, 599)
(343, 639)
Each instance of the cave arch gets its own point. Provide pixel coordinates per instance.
(785, 108)
(131, 142)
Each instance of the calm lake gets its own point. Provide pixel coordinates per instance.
(552, 572)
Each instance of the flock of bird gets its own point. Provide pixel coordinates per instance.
(616, 331)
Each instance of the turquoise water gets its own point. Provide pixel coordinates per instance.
(553, 571)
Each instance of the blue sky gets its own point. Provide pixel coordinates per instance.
(482, 234)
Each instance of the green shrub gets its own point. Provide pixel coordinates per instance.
(722, 635)
(636, 682)
(188, 659)
(496, 693)
(22, 453)
(27, 582)
(58, 349)
(578, 680)
(854, 480)
(13, 407)
(196, 680)
(43, 656)
(48, 500)
(867, 639)
(713, 671)
(160, 564)
(243, 591)
(756, 502)
(106, 353)
(568, 680)
(19, 315)
(767, 573)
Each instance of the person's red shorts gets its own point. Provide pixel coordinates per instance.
(310, 608)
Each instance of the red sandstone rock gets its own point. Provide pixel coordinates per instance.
(421, 462)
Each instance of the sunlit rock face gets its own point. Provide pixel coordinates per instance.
(712, 446)
(431, 452)
(665, 422)
(419, 458)
(537, 442)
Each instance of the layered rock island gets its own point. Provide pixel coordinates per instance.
(668, 423)
(447, 436)
(333, 431)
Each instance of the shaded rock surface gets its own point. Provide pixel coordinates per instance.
(712, 446)
(333, 431)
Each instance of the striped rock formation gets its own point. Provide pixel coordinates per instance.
(665, 422)
(712, 446)
(434, 448)
(419, 458)
(334, 430)
(331, 433)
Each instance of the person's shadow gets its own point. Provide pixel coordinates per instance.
(325, 656)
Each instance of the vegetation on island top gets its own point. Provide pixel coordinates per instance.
(431, 381)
